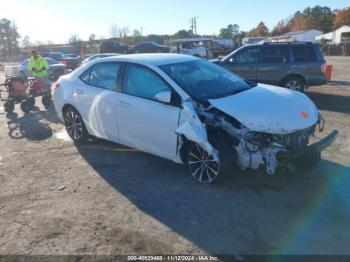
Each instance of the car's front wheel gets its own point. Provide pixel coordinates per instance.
(204, 168)
(75, 125)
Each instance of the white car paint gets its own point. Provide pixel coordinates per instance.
(270, 109)
(155, 127)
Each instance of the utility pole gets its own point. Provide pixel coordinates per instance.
(193, 27)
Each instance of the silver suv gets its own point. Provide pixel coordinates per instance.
(294, 65)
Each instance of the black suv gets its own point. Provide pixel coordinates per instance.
(114, 47)
(294, 65)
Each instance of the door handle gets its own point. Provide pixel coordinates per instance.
(124, 104)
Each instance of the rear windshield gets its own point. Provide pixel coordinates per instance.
(304, 54)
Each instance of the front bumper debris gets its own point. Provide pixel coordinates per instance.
(310, 150)
(321, 144)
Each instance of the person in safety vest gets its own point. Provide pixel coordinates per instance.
(40, 68)
(38, 65)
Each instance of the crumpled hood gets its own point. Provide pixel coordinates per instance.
(269, 109)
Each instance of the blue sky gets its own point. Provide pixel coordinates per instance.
(56, 20)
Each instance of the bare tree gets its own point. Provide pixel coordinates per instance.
(26, 44)
(113, 30)
(73, 39)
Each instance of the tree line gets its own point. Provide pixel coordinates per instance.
(318, 17)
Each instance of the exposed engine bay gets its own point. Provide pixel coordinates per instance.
(253, 149)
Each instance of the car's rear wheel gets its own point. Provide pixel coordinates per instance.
(204, 168)
(295, 83)
(75, 125)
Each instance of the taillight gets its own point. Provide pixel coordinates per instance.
(323, 67)
(56, 85)
(63, 62)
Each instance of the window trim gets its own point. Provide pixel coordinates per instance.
(175, 97)
(289, 60)
(101, 87)
(244, 49)
(304, 46)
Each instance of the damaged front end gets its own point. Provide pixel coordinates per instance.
(253, 150)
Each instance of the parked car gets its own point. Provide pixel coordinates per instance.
(198, 47)
(294, 65)
(114, 47)
(70, 62)
(190, 111)
(55, 68)
(149, 47)
(218, 48)
(93, 57)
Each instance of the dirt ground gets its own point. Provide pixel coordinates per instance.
(103, 199)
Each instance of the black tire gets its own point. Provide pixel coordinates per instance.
(9, 107)
(75, 126)
(295, 83)
(46, 100)
(204, 169)
(27, 105)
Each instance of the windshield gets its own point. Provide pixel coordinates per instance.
(203, 80)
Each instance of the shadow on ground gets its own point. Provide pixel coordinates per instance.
(248, 214)
(331, 102)
(33, 126)
(335, 83)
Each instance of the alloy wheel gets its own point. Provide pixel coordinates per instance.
(294, 85)
(74, 124)
(203, 167)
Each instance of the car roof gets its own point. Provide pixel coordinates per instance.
(153, 59)
(110, 54)
(294, 43)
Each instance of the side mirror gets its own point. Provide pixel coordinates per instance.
(231, 60)
(164, 96)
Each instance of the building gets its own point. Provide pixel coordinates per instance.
(252, 40)
(338, 36)
(303, 36)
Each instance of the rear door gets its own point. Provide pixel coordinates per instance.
(95, 97)
(244, 62)
(274, 64)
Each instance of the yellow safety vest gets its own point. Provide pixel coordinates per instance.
(38, 63)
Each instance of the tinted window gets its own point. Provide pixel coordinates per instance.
(275, 54)
(102, 75)
(142, 82)
(248, 55)
(56, 56)
(85, 76)
(203, 80)
(304, 54)
(51, 61)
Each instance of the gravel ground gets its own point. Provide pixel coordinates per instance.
(104, 199)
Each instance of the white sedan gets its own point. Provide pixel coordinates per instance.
(189, 111)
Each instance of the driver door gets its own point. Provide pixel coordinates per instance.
(144, 122)
(245, 63)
